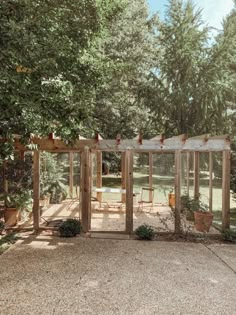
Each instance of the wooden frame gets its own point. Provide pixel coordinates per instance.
(158, 144)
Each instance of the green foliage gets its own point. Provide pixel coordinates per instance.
(22, 200)
(193, 204)
(7, 240)
(145, 232)
(51, 63)
(188, 88)
(70, 228)
(19, 175)
(128, 50)
(229, 235)
(52, 180)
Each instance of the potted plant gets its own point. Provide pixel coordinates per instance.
(171, 198)
(15, 204)
(203, 218)
(18, 197)
(188, 206)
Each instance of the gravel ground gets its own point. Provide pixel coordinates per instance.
(51, 275)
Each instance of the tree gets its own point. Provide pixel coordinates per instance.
(187, 89)
(129, 49)
(50, 63)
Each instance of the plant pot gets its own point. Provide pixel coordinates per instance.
(171, 199)
(203, 221)
(11, 216)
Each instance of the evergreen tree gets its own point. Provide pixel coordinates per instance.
(187, 90)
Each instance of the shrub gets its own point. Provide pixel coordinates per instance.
(229, 235)
(145, 232)
(70, 228)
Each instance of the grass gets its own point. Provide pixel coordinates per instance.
(7, 240)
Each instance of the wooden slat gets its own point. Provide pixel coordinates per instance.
(196, 174)
(86, 190)
(168, 145)
(210, 181)
(188, 167)
(99, 174)
(177, 192)
(71, 174)
(150, 176)
(123, 181)
(226, 190)
(36, 190)
(129, 191)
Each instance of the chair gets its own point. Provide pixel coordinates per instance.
(146, 199)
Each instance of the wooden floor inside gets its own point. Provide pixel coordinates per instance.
(111, 216)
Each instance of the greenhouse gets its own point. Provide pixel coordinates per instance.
(116, 185)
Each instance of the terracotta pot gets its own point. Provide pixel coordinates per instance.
(203, 221)
(171, 199)
(11, 216)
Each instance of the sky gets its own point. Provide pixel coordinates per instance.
(213, 10)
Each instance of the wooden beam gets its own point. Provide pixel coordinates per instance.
(86, 190)
(123, 181)
(196, 174)
(168, 145)
(226, 190)
(150, 176)
(188, 167)
(210, 181)
(71, 174)
(129, 191)
(204, 137)
(177, 191)
(36, 190)
(99, 174)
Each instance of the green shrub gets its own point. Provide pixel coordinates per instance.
(229, 235)
(70, 228)
(145, 232)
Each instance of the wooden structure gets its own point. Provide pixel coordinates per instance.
(176, 145)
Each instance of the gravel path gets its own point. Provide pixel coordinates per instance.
(50, 275)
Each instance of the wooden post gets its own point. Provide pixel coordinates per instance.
(99, 174)
(36, 190)
(188, 167)
(129, 191)
(177, 191)
(71, 174)
(86, 190)
(123, 181)
(150, 176)
(226, 190)
(196, 174)
(210, 181)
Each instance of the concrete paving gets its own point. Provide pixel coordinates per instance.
(51, 275)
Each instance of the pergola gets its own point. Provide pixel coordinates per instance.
(176, 145)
